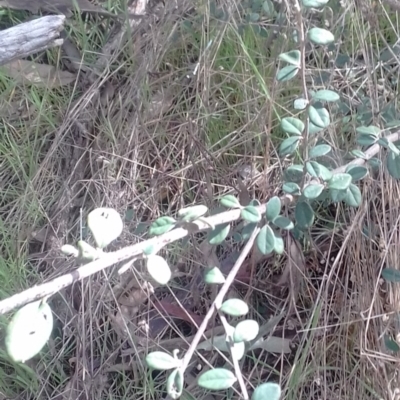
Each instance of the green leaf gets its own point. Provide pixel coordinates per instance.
(326, 95)
(393, 164)
(269, 8)
(366, 139)
(190, 214)
(245, 331)
(219, 234)
(230, 201)
(175, 384)
(375, 163)
(161, 361)
(384, 142)
(391, 275)
(289, 146)
(292, 125)
(214, 276)
(357, 172)
(266, 240)
(248, 230)
(304, 215)
(86, 251)
(313, 191)
(273, 208)
(319, 116)
(338, 195)
(300, 104)
(391, 344)
(320, 36)
(353, 197)
(283, 223)
(318, 171)
(234, 307)
(254, 17)
(287, 73)
(291, 188)
(369, 130)
(106, 225)
(291, 57)
(320, 150)
(339, 182)
(250, 214)
(159, 269)
(161, 225)
(267, 391)
(358, 154)
(279, 247)
(294, 173)
(216, 379)
(28, 331)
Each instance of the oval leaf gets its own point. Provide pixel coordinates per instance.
(294, 173)
(393, 164)
(326, 95)
(319, 116)
(267, 391)
(161, 361)
(353, 196)
(287, 73)
(279, 245)
(234, 307)
(159, 269)
(283, 223)
(391, 275)
(214, 276)
(230, 201)
(357, 172)
(291, 188)
(318, 171)
(293, 126)
(300, 104)
(320, 36)
(219, 234)
(313, 191)
(289, 146)
(250, 214)
(106, 225)
(304, 215)
(175, 384)
(273, 208)
(320, 150)
(291, 57)
(161, 225)
(217, 379)
(190, 214)
(339, 182)
(266, 240)
(245, 331)
(28, 331)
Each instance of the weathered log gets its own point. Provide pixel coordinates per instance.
(30, 37)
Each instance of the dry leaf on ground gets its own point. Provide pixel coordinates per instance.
(57, 6)
(29, 72)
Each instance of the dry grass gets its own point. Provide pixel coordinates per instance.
(147, 137)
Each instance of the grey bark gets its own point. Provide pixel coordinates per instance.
(30, 37)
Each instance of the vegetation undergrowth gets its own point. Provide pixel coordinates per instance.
(241, 163)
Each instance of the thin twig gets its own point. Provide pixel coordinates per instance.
(108, 259)
(218, 300)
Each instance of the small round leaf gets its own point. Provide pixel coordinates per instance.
(250, 214)
(219, 234)
(326, 95)
(300, 104)
(292, 125)
(234, 307)
(270, 391)
(339, 182)
(291, 57)
(28, 331)
(159, 269)
(106, 225)
(289, 145)
(393, 164)
(313, 191)
(175, 384)
(245, 331)
(214, 276)
(357, 172)
(287, 73)
(217, 379)
(279, 245)
(304, 215)
(230, 201)
(161, 225)
(283, 223)
(320, 150)
(320, 36)
(319, 116)
(190, 214)
(353, 196)
(291, 188)
(266, 240)
(161, 361)
(273, 208)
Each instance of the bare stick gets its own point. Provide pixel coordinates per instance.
(108, 259)
(30, 37)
